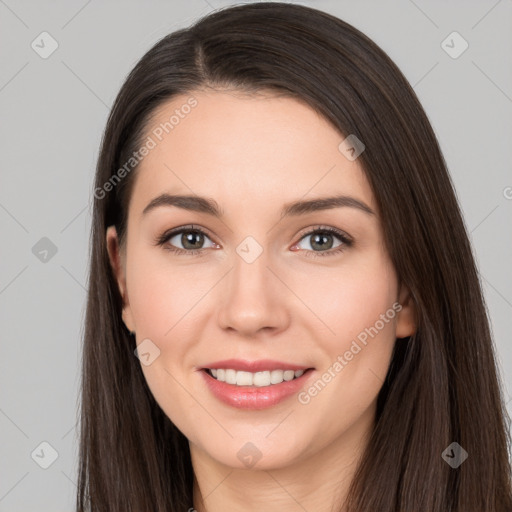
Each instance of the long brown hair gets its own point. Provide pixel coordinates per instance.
(442, 385)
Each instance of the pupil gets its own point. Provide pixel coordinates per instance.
(324, 241)
(192, 236)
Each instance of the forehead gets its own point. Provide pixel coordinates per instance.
(258, 150)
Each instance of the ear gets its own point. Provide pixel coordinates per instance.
(406, 323)
(119, 268)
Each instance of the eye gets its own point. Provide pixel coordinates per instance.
(191, 240)
(321, 242)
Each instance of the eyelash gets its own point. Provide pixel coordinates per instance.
(167, 235)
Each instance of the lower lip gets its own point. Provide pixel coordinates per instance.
(254, 397)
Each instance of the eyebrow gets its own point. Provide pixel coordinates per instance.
(210, 206)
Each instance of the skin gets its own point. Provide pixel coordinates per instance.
(253, 154)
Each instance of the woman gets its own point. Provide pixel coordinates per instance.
(284, 311)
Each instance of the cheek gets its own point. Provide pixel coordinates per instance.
(350, 298)
(166, 302)
(358, 309)
(162, 295)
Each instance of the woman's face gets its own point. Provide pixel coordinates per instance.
(269, 290)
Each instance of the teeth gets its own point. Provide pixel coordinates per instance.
(243, 378)
(230, 376)
(259, 379)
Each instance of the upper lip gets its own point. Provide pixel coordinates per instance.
(254, 366)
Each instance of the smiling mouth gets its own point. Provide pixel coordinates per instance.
(258, 379)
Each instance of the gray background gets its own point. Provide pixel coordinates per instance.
(53, 112)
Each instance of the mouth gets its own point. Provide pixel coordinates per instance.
(255, 385)
(263, 378)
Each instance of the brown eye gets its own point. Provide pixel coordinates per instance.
(192, 239)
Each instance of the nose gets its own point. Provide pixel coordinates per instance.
(253, 299)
